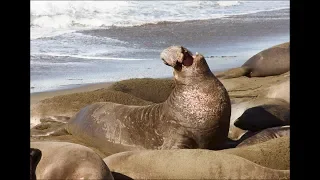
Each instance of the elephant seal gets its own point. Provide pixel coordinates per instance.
(279, 91)
(269, 62)
(265, 135)
(273, 110)
(62, 160)
(188, 164)
(35, 156)
(265, 116)
(274, 153)
(61, 108)
(195, 115)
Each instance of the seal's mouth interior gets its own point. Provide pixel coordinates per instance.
(177, 57)
(186, 61)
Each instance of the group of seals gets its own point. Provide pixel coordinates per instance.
(258, 114)
(275, 113)
(195, 115)
(270, 62)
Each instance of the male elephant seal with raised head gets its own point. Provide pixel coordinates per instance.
(195, 115)
(269, 62)
(62, 160)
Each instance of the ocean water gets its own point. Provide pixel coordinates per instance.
(79, 42)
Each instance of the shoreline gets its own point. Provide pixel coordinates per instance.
(241, 36)
(70, 89)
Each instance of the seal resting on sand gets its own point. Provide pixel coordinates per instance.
(265, 135)
(189, 164)
(265, 116)
(258, 114)
(35, 156)
(269, 62)
(195, 115)
(279, 91)
(62, 160)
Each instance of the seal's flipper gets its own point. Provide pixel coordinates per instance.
(233, 73)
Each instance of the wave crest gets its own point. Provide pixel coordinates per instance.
(59, 16)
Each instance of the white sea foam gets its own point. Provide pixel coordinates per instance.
(88, 57)
(228, 3)
(51, 18)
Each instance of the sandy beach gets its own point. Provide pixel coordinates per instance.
(131, 92)
(109, 90)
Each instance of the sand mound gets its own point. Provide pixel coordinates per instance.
(149, 89)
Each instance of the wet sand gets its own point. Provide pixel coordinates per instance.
(235, 38)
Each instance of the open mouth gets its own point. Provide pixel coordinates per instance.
(178, 66)
(176, 56)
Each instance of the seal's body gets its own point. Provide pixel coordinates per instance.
(269, 62)
(62, 160)
(189, 164)
(266, 135)
(195, 115)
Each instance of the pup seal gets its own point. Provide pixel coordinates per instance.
(62, 160)
(269, 62)
(195, 115)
